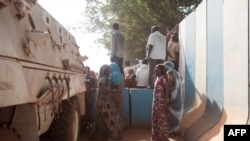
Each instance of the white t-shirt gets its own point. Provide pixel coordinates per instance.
(142, 75)
(158, 41)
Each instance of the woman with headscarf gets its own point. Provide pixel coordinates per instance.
(107, 117)
(176, 99)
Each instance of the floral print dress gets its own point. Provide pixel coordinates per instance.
(159, 113)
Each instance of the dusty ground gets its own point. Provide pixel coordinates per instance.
(129, 134)
(133, 134)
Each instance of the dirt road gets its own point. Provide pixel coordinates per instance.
(132, 134)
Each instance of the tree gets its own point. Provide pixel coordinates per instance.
(135, 17)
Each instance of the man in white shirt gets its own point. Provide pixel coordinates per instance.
(155, 51)
(142, 74)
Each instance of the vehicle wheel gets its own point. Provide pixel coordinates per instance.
(67, 126)
(8, 133)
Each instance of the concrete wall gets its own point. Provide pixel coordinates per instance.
(214, 53)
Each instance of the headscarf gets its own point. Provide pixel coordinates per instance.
(169, 65)
(115, 78)
(104, 74)
(177, 77)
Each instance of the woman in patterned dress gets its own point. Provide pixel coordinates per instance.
(160, 105)
(107, 123)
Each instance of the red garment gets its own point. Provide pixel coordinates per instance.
(133, 83)
(159, 113)
(127, 81)
(130, 81)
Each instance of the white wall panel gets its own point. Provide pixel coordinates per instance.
(236, 54)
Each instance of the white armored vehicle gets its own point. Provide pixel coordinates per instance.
(41, 75)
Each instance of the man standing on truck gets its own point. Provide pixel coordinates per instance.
(156, 52)
(117, 47)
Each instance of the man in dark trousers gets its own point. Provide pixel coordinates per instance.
(155, 52)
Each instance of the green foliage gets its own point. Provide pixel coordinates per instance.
(135, 17)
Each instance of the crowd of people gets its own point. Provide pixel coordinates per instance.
(159, 48)
(158, 71)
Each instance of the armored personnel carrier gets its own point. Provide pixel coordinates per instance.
(41, 75)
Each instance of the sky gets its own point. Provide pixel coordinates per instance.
(68, 13)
